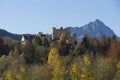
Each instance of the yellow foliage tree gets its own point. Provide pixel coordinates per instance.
(9, 75)
(75, 72)
(62, 40)
(60, 72)
(118, 72)
(62, 45)
(53, 57)
(22, 73)
(87, 60)
(82, 69)
(88, 72)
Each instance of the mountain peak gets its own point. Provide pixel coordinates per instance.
(97, 20)
(96, 24)
(94, 29)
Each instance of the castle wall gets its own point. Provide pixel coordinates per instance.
(57, 33)
(70, 38)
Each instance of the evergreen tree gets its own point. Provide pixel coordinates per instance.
(37, 41)
(45, 42)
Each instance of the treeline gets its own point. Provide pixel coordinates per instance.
(91, 59)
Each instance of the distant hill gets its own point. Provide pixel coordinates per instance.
(4, 33)
(94, 29)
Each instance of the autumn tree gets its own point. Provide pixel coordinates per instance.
(117, 77)
(88, 70)
(60, 70)
(62, 45)
(114, 50)
(73, 53)
(53, 56)
(84, 45)
(105, 43)
(16, 69)
(75, 72)
(39, 72)
(106, 69)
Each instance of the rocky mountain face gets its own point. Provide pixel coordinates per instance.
(93, 29)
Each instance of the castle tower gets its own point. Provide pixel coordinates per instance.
(54, 33)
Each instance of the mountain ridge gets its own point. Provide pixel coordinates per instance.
(93, 29)
(4, 33)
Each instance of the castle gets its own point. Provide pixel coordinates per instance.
(71, 38)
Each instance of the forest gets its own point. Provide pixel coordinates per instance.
(91, 59)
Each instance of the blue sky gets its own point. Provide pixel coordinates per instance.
(33, 16)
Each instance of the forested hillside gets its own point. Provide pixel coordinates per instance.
(4, 33)
(91, 59)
